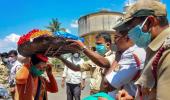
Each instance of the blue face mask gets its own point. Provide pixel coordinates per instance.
(101, 49)
(141, 39)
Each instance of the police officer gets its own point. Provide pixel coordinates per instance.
(147, 25)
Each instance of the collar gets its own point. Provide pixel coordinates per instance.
(130, 49)
(13, 63)
(159, 40)
(108, 53)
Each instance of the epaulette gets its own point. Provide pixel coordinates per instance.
(166, 44)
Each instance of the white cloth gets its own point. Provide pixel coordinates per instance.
(127, 70)
(15, 66)
(74, 77)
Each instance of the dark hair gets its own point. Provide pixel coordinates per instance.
(4, 54)
(35, 60)
(106, 37)
(123, 33)
(13, 52)
(163, 21)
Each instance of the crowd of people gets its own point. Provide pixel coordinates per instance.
(25, 76)
(13, 65)
(137, 70)
(139, 67)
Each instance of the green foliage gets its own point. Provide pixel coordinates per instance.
(54, 25)
(56, 62)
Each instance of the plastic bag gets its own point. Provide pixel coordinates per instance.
(68, 36)
(97, 95)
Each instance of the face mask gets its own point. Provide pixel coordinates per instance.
(5, 60)
(141, 39)
(101, 49)
(11, 59)
(76, 55)
(36, 72)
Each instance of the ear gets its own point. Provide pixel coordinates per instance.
(149, 23)
(127, 38)
(152, 21)
(107, 44)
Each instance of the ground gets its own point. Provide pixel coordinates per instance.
(61, 95)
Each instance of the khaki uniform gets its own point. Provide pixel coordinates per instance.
(147, 80)
(97, 73)
(160, 88)
(4, 75)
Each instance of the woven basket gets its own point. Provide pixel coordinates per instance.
(50, 46)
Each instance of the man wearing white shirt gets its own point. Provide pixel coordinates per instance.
(14, 66)
(127, 67)
(75, 80)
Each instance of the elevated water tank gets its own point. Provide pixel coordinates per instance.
(94, 23)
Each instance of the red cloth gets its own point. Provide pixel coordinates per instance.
(26, 37)
(42, 57)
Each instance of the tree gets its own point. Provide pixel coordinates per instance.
(54, 25)
(58, 64)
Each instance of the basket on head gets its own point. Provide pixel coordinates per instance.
(42, 41)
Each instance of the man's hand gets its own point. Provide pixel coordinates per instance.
(82, 86)
(123, 95)
(76, 43)
(114, 67)
(49, 69)
(63, 84)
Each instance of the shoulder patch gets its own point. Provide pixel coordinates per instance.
(167, 42)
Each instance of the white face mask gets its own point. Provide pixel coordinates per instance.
(12, 59)
(76, 55)
(5, 60)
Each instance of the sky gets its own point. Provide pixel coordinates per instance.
(17, 17)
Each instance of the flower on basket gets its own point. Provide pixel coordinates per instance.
(32, 35)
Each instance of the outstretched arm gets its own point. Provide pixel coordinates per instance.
(95, 57)
(69, 64)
